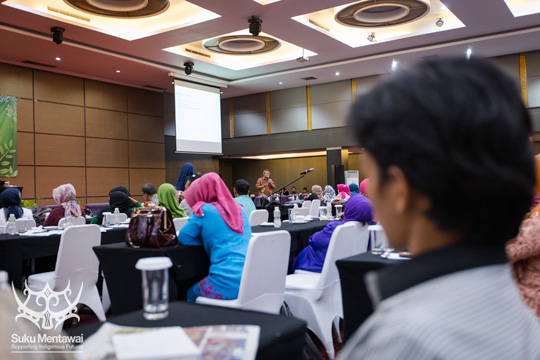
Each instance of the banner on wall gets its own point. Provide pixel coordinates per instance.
(8, 136)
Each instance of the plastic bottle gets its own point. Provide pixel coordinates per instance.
(116, 219)
(295, 212)
(11, 225)
(329, 210)
(277, 217)
(4, 281)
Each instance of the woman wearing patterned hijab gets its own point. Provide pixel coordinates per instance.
(64, 196)
(329, 194)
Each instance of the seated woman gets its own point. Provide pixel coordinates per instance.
(183, 204)
(358, 208)
(316, 193)
(354, 189)
(167, 197)
(343, 192)
(65, 196)
(222, 227)
(10, 202)
(134, 203)
(117, 199)
(329, 194)
(185, 173)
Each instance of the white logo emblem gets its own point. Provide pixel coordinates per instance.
(53, 307)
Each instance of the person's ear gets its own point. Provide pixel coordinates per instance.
(405, 197)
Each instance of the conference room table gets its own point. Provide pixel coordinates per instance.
(280, 337)
(15, 249)
(190, 265)
(356, 301)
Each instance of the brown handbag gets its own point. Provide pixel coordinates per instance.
(151, 227)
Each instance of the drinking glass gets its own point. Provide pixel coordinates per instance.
(155, 281)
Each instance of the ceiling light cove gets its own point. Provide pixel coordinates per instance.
(523, 7)
(239, 50)
(393, 19)
(146, 17)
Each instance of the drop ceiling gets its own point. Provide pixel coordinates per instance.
(143, 51)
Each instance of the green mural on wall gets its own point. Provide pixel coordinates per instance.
(8, 136)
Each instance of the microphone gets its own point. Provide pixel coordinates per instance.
(305, 172)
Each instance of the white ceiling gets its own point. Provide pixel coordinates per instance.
(488, 27)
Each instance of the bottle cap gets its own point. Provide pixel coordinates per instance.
(154, 263)
(11, 216)
(4, 277)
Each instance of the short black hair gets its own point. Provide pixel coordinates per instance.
(149, 189)
(193, 177)
(241, 186)
(459, 131)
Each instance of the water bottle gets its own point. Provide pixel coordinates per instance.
(277, 217)
(329, 210)
(11, 225)
(4, 281)
(68, 219)
(295, 212)
(116, 219)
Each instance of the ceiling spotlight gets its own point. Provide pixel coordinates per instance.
(58, 59)
(337, 73)
(57, 34)
(255, 26)
(439, 22)
(469, 52)
(394, 64)
(280, 83)
(117, 71)
(371, 37)
(188, 67)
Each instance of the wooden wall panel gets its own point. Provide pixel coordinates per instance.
(97, 199)
(59, 119)
(58, 88)
(60, 150)
(25, 148)
(106, 153)
(145, 102)
(146, 155)
(106, 124)
(139, 177)
(16, 81)
(25, 115)
(105, 96)
(99, 181)
(25, 178)
(48, 178)
(140, 126)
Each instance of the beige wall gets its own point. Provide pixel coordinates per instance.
(93, 134)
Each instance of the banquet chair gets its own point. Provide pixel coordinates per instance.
(316, 297)
(303, 211)
(257, 217)
(179, 223)
(79, 220)
(314, 209)
(110, 217)
(263, 278)
(76, 266)
(306, 204)
(23, 224)
(361, 239)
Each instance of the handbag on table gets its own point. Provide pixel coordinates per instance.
(151, 227)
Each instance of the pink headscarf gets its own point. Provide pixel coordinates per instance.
(342, 188)
(210, 189)
(363, 187)
(65, 196)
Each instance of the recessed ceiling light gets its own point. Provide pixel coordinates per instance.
(117, 71)
(337, 73)
(58, 59)
(221, 92)
(280, 83)
(394, 64)
(469, 52)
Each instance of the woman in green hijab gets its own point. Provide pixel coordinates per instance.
(167, 198)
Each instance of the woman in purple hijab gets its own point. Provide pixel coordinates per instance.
(357, 208)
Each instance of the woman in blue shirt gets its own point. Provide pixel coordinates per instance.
(222, 227)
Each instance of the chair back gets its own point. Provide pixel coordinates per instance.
(361, 238)
(341, 246)
(306, 204)
(76, 261)
(257, 217)
(303, 211)
(179, 223)
(109, 217)
(24, 224)
(265, 270)
(77, 220)
(314, 209)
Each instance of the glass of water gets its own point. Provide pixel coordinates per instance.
(155, 286)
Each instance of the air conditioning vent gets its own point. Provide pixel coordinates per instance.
(197, 52)
(65, 13)
(154, 87)
(319, 25)
(309, 78)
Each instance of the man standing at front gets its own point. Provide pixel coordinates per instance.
(265, 185)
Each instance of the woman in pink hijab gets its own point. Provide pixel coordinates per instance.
(344, 193)
(221, 225)
(363, 187)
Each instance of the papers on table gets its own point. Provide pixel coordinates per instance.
(266, 223)
(211, 342)
(394, 256)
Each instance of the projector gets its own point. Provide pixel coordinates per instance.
(302, 59)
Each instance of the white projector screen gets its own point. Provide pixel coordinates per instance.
(198, 118)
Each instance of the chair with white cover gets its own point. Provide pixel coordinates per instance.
(76, 265)
(24, 224)
(316, 297)
(77, 220)
(306, 204)
(179, 223)
(262, 287)
(109, 217)
(314, 209)
(257, 217)
(361, 239)
(303, 211)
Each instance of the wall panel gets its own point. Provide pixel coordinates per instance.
(105, 96)
(16, 81)
(146, 155)
(138, 177)
(106, 153)
(106, 124)
(58, 88)
(59, 119)
(25, 179)
(25, 148)
(99, 181)
(140, 126)
(250, 124)
(59, 150)
(145, 102)
(48, 178)
(25, 115)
